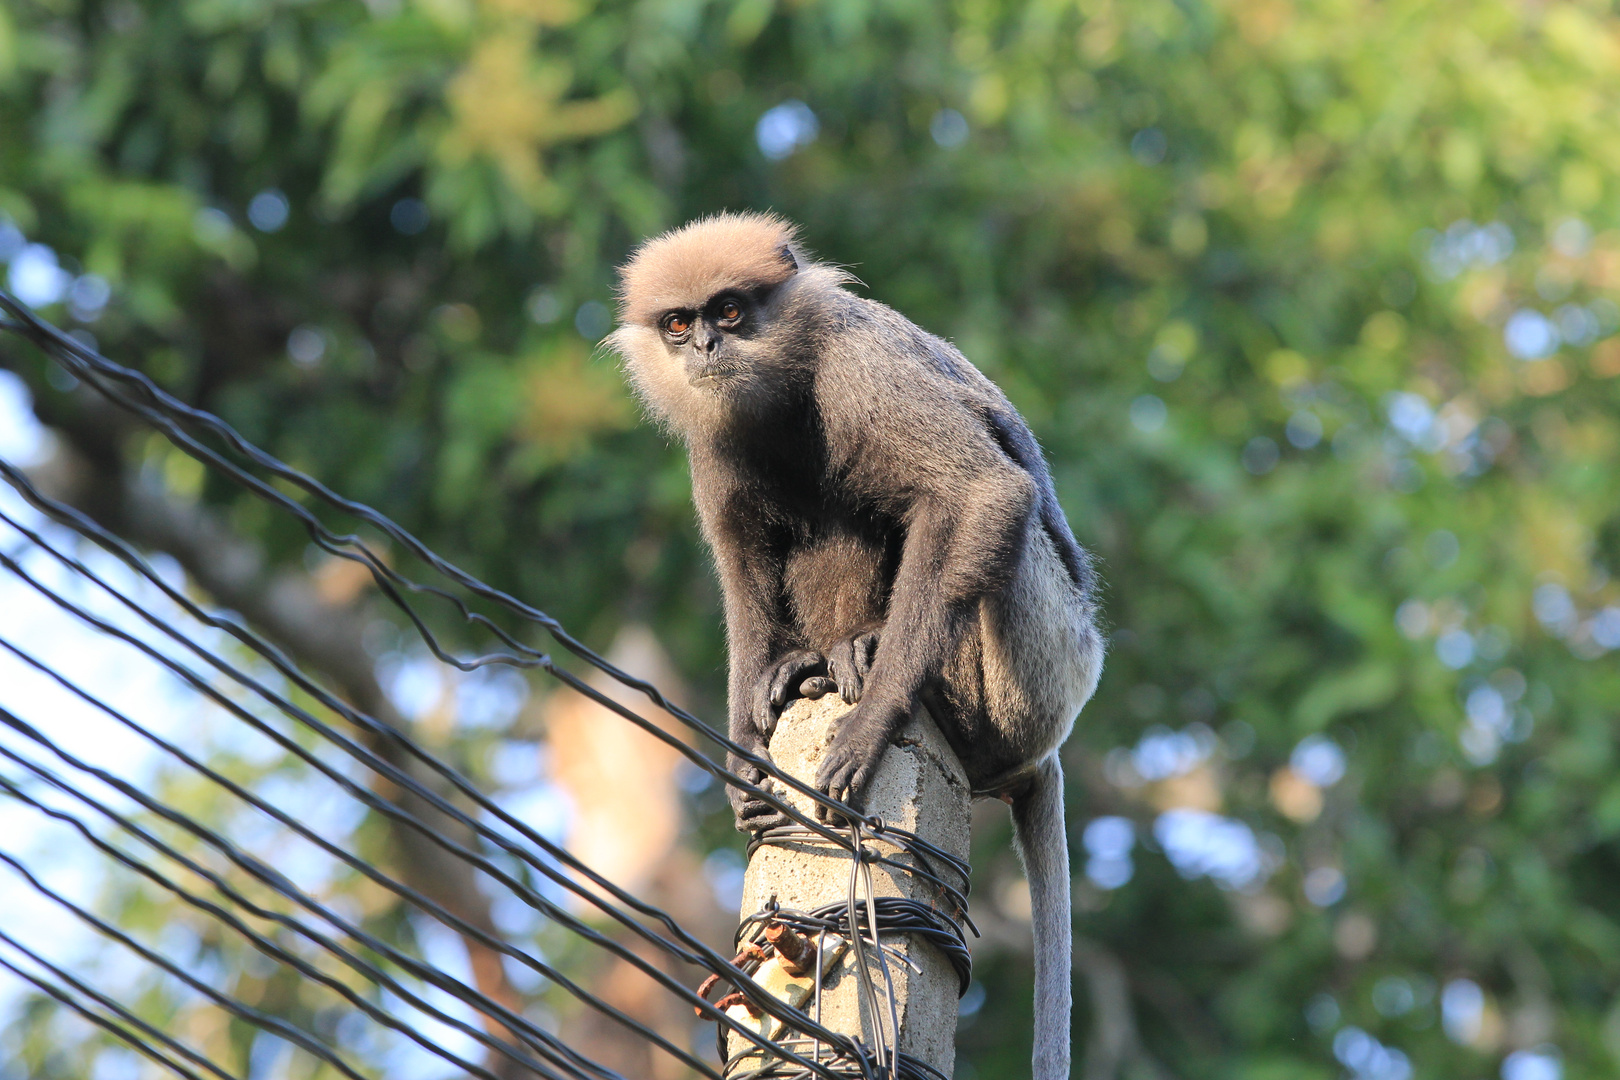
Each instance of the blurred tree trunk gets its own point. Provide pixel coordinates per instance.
(627, 825)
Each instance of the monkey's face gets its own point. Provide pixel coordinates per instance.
(710, 332)
(723, 357)
(711, 341)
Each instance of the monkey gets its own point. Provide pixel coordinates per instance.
(883, 523)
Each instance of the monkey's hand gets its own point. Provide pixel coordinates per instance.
(853, 757)
(780, 683)
(753, 813)
(849, 661)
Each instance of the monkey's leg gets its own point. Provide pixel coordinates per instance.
(772, 691)
(849, 661)
(956, 550)
(751, 584)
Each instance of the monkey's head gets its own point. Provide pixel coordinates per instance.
(704, 328)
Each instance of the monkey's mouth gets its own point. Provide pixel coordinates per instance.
(709, 375)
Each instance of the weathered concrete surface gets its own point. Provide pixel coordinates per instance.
(920, 787)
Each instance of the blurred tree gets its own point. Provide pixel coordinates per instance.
(1312, 304)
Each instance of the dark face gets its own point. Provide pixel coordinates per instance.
(709, 340)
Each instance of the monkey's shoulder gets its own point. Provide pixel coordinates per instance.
(871, 343)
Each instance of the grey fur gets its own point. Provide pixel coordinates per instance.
(861, 483)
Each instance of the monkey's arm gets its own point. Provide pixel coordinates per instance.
(965, 531)
(763, 665)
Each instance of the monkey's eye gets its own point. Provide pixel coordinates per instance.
(676, 324)
(730, 310)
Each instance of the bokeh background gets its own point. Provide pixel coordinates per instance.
(1311, 303)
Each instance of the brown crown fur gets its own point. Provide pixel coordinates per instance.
(685, 266)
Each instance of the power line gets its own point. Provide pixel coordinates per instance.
(426, 798)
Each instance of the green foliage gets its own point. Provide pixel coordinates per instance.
(1252, 268)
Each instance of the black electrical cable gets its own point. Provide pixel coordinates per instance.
(267, 945)
(77, 521)
(161, 410)
(529, 896)
(535, 856)
(445, 916)
(766, 1002)
(259, 1018)
(143, 1045)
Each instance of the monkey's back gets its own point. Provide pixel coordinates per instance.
(912, 404)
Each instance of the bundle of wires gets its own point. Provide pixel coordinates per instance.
(141, 608)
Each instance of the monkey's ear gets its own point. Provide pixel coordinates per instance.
(787, 256)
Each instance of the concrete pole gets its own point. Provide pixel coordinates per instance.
(919, 787)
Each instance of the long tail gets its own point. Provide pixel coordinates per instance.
(1043, 844)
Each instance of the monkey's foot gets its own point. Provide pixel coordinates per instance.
(853, 757)
(777, 685)
(849, 661)
(753, 812)
(755, 815)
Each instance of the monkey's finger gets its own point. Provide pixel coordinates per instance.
(753, 809)
(790, 672)
(855, 685)
(826, 814)
(760, 817)
(817, 686)
(857, 783)
(763, 714)
(853, 782)
(846, 672)
(836, 776)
